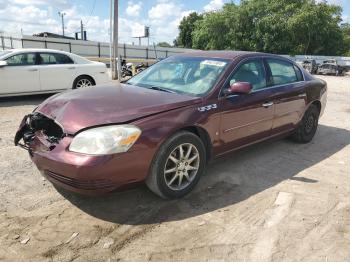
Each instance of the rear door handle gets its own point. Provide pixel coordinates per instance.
(267, 104)
(71, 68)
(33, 69)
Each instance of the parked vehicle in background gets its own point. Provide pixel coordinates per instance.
(164, 124)
(310, 66)
(330, 61)
(34, 71)
(330, 69)
(126, 68)
(140, 67)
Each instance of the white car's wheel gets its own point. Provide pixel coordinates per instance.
(83, 82)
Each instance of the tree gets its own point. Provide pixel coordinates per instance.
(164, 44)
(274, 26)
(212, 32)
(186, 28)
(345, 28)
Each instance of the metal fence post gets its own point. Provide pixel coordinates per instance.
(166, 53)
(124, 51)
(45, 44)
(2, 43)
(99, 49)
(70, 47)
(147, 55)
(11, 41)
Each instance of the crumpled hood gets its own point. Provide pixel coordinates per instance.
(78, 109)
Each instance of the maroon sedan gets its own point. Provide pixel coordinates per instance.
(164, 125)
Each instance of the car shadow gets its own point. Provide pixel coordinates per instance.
(228, 180)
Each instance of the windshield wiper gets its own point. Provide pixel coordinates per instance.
(161, 89)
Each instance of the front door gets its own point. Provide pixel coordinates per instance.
(21, 75)
(246, 118)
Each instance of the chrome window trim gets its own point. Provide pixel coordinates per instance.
(267, 88)
(263, 89)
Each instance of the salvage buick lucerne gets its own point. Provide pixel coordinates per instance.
(163, 125)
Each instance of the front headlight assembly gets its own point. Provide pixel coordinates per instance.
(105, 140)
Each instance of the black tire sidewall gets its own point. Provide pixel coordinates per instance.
(162, 156)
(305, 136)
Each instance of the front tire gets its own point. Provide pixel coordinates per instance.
(177, 166)
(308, 126)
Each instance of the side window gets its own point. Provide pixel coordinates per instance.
(47, 59)
(22, 60)
(253, 72)
(282, 72)
(63, 59)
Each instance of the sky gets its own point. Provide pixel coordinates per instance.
(163, 16)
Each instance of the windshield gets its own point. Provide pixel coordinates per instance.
(2, 53)
(190, 75)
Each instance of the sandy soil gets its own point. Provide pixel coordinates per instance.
(275, 201)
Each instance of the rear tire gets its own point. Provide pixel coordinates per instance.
(177, 166)
(308, 126)
(83, 82)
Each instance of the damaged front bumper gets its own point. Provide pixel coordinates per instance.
(48, 147)
(38, 125)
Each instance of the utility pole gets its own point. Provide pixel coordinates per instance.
(82, 30)
(62, 14)
(115, 63)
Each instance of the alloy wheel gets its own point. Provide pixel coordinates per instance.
(84, 83)
(182, 166)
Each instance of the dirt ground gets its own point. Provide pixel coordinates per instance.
(275, 201)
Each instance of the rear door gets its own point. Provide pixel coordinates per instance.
(246, 118)
(21, 75)
(289, 96)
(56, 71)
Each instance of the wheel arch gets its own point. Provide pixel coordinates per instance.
(203, 135)
(83, 75)
(318, 104)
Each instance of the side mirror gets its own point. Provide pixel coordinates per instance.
(240, 88)
(3, 63)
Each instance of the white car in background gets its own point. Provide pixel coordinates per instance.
(37, 71)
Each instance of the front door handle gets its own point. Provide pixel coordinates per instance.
(71, 68)
(267, 104)
(33, 69)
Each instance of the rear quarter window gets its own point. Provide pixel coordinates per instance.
(282, 72)
(298, 73)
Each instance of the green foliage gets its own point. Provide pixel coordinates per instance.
(164, 44)
(346, 38)
(273, 26)
(186, 27)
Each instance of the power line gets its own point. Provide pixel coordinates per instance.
(91, 12)
(89, 17)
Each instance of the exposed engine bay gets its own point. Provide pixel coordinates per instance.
(34, 124)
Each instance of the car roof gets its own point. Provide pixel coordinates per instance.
(225, 54)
